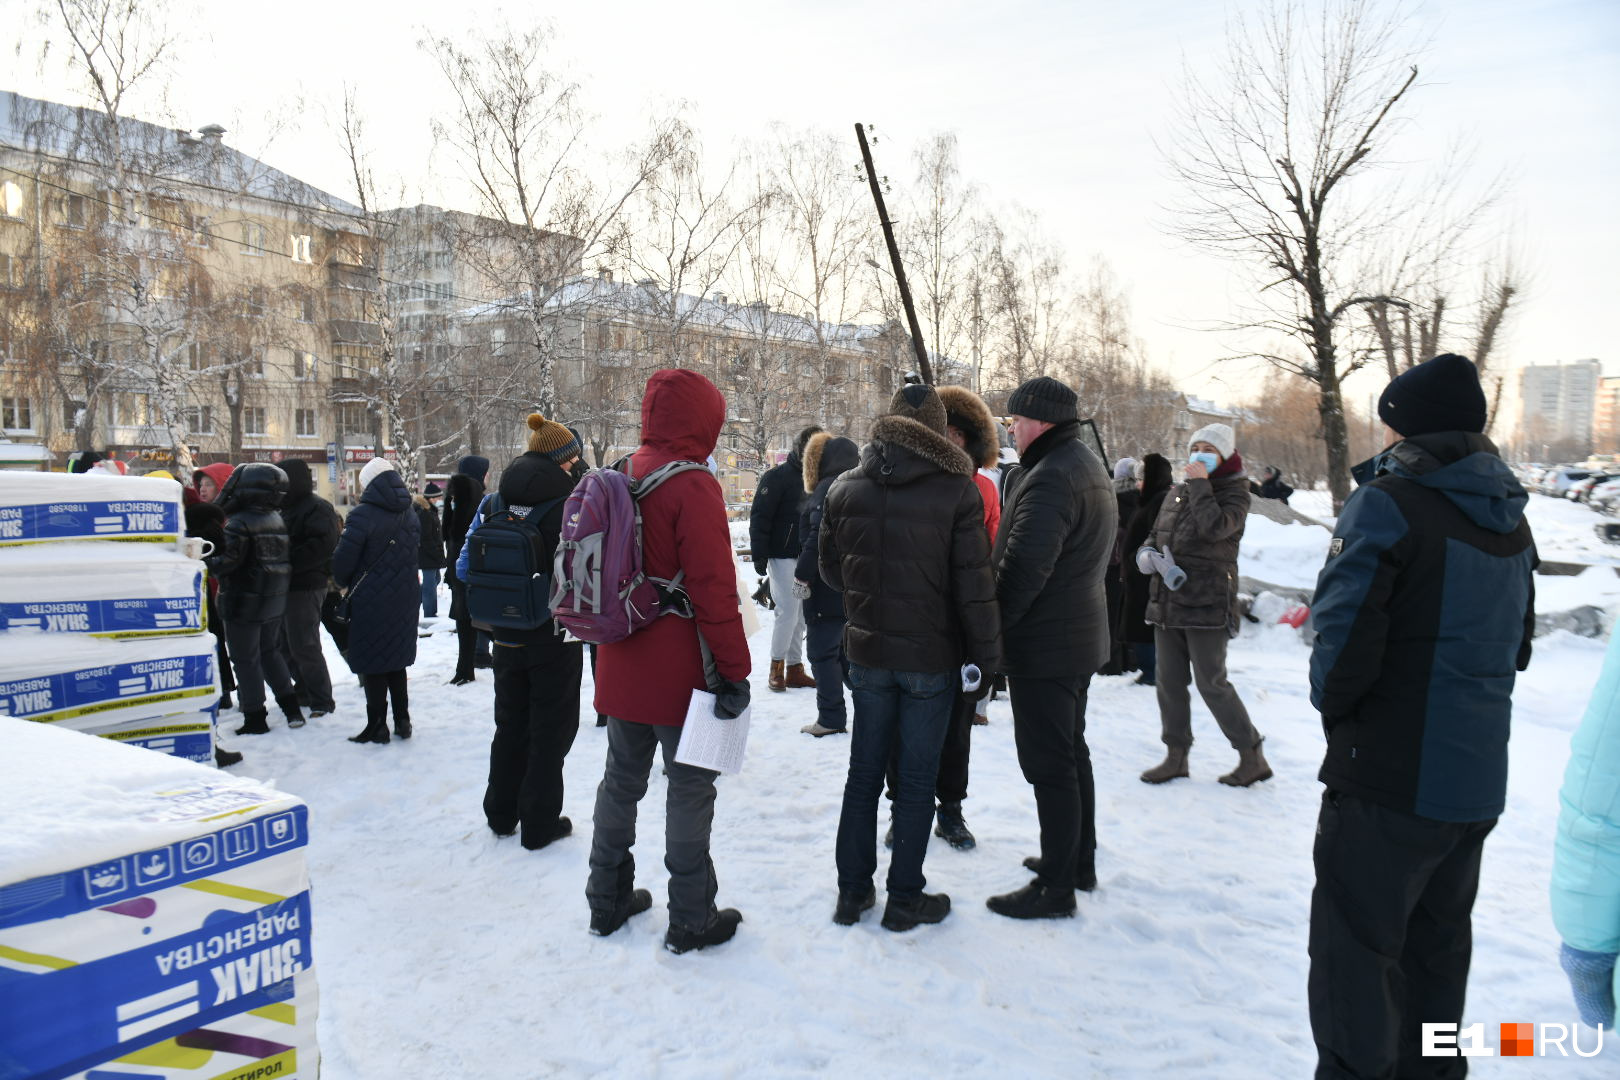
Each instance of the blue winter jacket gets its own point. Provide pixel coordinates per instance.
(376, 561)
(1586, 854)
(1424, 612)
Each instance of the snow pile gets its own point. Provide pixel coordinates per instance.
(152, 913)
(1286, 555)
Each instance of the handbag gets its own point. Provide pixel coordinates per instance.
(340, 614)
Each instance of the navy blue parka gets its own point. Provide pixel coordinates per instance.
(379, 541)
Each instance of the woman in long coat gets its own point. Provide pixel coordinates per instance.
(1133, 629)
(375, 562)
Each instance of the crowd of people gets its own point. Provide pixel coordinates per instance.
(926, 567)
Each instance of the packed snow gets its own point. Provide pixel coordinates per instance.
(438, 943)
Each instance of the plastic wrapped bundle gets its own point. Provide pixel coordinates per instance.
(43, 507)
(188, 735)
(154, 916)
(109, 590)
(79, 681)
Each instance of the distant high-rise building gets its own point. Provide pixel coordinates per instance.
(1606, 418)
(1557, 404)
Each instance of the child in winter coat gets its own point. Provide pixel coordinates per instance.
(1586, 854)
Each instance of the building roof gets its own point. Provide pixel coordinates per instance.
(166, 154)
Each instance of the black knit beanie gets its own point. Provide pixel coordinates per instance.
(1442, 394)
(1043, 398)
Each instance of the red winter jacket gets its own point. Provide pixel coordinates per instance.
(992, 503)
(648, 678)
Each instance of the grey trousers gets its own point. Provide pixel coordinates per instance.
(302, 627)
(688, 817)
(787, 634)
(1205, 652)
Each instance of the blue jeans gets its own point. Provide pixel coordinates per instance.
(903, 714)
(824, 648)
(430, 593)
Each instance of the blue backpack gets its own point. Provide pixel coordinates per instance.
(508, 568)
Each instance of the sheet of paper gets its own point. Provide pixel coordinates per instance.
(710, 742)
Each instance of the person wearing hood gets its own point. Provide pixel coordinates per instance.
(1153, 475)
(1194, 610)
(1272, 486)
(773, 537)
(537, 671)
(430, 555)
(375, 562)
(209, 480)
(312, 535)
(462, 494)
(1120, 654)
(1051, 556)
(903, 538)
(826, 458)
(1424, 612)
(252, 567)
(646, 680)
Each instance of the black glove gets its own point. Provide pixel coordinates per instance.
(762, 595)
(731, 699)
(761, 568)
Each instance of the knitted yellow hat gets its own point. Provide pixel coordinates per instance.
(552, 439)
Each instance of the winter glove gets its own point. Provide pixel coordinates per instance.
(1591, 977)
(762, 595)
(1150, 561)
(761, 567)
(731, 699)
(801, 589)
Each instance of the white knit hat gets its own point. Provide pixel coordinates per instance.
(1219, 436)
(374, 468)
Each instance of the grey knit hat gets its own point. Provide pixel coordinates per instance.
(919, 402)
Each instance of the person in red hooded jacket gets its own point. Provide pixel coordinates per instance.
(645, 682)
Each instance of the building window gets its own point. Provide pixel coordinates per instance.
(253, 302)
(70, 211)
(199, 419)
(300, 248)
(352, 361)
(354, 419)
(10, 272)
(253, 420)
(305, 420)
(198, 226)
(11, 199)
(127, 410)
(16, 414)
(304, 304)
(72, 413)
(253, 238)
(254, 364)
(196, 357)
(303, 365)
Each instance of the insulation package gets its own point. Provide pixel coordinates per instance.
(81, 681)
(189, 735)
(43, 507)
(109, 590)
(154, 917)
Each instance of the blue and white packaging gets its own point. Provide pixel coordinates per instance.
(38, 508)
(108, 590)
(82, 681)
(154, 917)
(188, 735)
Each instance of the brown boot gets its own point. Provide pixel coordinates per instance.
(1251, 768)
(799, 679)
(1173, 767)
(778, 678)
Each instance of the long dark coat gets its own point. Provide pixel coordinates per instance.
(1156, 477)
(380, 541)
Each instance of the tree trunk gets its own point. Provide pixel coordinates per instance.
(1335, 435)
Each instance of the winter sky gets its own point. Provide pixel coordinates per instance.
(1058, 107)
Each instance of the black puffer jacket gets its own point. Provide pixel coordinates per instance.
(312, 529)
(1202, 523)
(1155, 486)
(773, 521)
(376, 561)
(462, 494)
(430, 549)
(529, 481)
(1057, 531)
(825, 459)
(902, 537)
(252, 564)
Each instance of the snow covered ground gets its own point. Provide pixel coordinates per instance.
(445, 951)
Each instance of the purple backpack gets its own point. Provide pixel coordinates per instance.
(600, 592)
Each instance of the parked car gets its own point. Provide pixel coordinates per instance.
(1578, 491)
(1605, 496)
(1558, 482)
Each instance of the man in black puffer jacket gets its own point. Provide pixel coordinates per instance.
(903, 538)
(1052, 549)
(312, 536)
(252, 568)
(825, 460)
(462, 494)
(773, 538)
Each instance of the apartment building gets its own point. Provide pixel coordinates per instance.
(1558, 404)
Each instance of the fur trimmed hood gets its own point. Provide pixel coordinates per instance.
(927, 446)
(966, 410)
(827, 455)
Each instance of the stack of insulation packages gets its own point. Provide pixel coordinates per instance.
(154, 912)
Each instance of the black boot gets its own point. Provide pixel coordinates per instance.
(255, 722)
(460, 678)
(564, 827)
(606, 922)
(402, 726)
(721, 929)
(852, 904)
(224, 701)
(1034, 901)
(901, 915)
(1084, 880)
(376, 731)
(226, 758)
(292, 710)
(948, 825)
